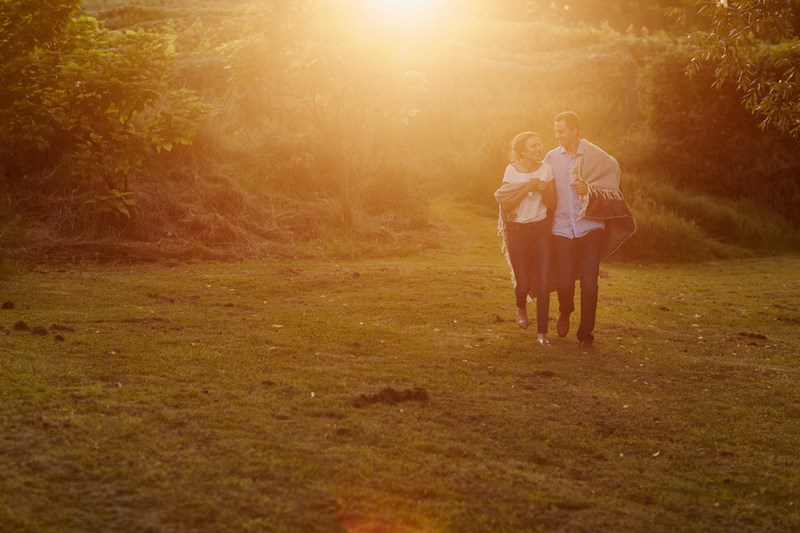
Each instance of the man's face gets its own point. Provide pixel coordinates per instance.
(564, 135)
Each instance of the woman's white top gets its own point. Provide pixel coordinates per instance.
(531, 208)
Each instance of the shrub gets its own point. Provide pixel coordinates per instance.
(83, 108)
(9, 221)
(676, 225)
(702, 139)
(664, 236)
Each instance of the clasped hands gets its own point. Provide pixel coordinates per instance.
(536, 185)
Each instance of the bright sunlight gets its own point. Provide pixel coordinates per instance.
(405, 15)
(406, 10)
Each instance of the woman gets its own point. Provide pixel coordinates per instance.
(526, 195)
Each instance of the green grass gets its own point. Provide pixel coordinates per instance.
(209, 397)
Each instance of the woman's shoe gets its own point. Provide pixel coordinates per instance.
(522, 318)
(543, 342)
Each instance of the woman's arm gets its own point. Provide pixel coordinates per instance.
(511, 204)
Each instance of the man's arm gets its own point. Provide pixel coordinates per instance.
(549, 196)
(581, 187)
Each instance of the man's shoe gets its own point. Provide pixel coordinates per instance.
(586, 346)
(562, 325)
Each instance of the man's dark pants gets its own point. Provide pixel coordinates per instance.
(579, 259)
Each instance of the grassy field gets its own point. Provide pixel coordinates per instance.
(252, 396)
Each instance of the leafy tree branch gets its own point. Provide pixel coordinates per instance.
(753, 43)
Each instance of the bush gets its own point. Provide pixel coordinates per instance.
(84, 108)
(664, 236)
(9, 221)
(673, 225)
(702, 139)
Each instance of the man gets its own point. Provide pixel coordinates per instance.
(590, 221)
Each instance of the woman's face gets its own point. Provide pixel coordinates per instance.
(532, 149)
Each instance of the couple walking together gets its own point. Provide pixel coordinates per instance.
(559, 217)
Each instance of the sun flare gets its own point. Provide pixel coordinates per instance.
(405, 13)
(405, 9)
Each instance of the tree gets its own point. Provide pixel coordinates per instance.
(82, 108)
(754, 44)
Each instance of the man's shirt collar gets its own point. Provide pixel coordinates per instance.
(581, 148)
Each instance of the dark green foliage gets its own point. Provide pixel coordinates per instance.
(678, 224)
(26, 25)
(620, 14)
(83, 108)
(702, 139)
(9, 221)
(754, 44)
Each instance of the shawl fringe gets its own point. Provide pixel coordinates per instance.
(506, 191)
(604, 200)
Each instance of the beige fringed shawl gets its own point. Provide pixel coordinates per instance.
(506, 191)
(605, 201)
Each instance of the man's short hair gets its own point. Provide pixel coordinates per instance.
(571, 119)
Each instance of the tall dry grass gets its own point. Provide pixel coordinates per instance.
(675, 224)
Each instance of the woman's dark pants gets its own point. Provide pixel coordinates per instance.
(579, 259)
(529, 251)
